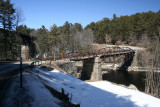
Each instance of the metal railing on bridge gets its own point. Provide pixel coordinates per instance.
(101, 52)
(85, 55)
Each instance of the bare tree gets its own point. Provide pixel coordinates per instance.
(145, 41)
(77, 41)
(143, 58)
(152, 84)
(81, 41)
(19, 17)
(87, 39)
(132, 40)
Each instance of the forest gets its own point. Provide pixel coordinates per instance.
(69, 38)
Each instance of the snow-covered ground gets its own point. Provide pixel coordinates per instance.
(87, 94)
(96, 94)
(33, 94)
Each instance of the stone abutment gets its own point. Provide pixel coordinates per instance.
(91, 69)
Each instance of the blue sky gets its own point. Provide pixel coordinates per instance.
(49, 12)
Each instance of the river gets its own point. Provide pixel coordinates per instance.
(127, 78)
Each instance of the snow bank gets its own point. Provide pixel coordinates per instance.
(33, 94)
(40, 95)
(95, 94)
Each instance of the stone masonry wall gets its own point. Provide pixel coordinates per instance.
(69, 67)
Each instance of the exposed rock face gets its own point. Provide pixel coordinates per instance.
(24, 52)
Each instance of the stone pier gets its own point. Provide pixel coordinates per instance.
(91, 69)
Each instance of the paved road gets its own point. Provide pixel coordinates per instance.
(8, 70)
(7, 67)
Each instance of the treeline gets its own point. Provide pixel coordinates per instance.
(8, 42)
(11, 35)
(70, 38)
(126, 29)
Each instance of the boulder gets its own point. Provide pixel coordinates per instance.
(131, 86)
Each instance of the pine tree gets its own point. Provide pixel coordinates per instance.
(54, 40)
(7, 23)
(43, 40)
(7, 16)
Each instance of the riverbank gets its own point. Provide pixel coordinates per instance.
(86, 94)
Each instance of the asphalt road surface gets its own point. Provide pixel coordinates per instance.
(8, 70)
(8, 66)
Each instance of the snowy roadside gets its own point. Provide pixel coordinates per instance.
(33, 94)
(88, 94)
(95, 94)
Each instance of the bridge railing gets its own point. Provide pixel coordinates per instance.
(107, 50)
(103, 51)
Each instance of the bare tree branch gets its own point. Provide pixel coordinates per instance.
(19, 17)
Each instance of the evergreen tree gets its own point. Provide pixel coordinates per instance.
(54, 40)
(78, 27)
(7, 23)
(43, 40)
(122, 29)
(7, 16)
